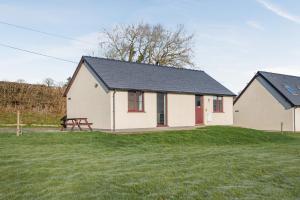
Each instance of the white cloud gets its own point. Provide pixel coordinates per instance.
(279, 11)
(255, 25)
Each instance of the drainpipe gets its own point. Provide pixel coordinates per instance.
(114, 111)
(294, 119)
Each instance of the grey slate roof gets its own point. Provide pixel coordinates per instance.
(288, 86)
(133, 76)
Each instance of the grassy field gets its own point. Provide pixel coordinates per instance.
(207, 163)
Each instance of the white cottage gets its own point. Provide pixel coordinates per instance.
(269, 102)
(116, 95)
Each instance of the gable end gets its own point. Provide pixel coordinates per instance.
(265, 82)
(91, 70)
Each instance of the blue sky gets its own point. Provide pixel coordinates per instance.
(233, 38)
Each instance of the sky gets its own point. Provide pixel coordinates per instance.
(233, 39)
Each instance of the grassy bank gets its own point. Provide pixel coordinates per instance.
(207, 163)
(30, 118)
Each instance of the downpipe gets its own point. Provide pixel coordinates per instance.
(114, 111)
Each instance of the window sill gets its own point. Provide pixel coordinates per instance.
(219, 112)
(136, 111)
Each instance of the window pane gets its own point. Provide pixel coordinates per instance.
(131, 101)
(221, 104)
(140, 101)
(140, 96)
(131, 96)
(140, 108)
(198, 101)
(135, 101)
(217, 104)
(214, 104)
(131, 105)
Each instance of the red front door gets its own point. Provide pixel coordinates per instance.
(199, 109)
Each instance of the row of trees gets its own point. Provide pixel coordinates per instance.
(31, 97)
(49, 82)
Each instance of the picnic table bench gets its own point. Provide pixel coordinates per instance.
(78, 121)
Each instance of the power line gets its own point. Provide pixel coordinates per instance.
(36, 53)
(45, 33)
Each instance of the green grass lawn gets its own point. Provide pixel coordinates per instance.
(207, 163)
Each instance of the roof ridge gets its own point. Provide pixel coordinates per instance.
(278, 74)
(163, 66)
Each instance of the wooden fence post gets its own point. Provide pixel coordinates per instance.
(19, 132)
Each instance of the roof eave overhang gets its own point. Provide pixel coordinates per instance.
(174, 92)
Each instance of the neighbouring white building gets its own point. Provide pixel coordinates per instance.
(269, 102)
(116, 95)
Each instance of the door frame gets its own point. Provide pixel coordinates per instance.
(202, 105)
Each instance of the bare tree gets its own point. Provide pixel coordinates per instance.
(60, 84)
(68, 80)
(144, 43)
(49, 82)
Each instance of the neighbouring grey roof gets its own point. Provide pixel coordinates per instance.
(134, 76)
(288, 86)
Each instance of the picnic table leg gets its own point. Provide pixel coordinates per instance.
(88, 125)
(73, 125)
(78, 124)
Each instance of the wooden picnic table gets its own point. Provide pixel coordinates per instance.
(78, 121)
